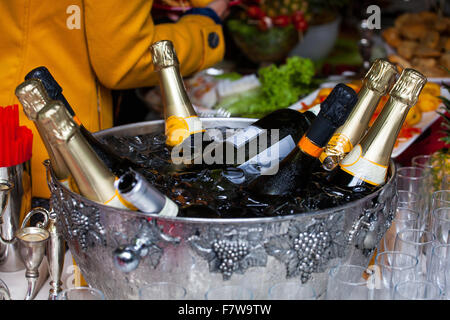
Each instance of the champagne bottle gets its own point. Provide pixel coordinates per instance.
(181, 120)
(256, 147)
(93, 178)
(33, 98)
(376, 84)
(134, 188)
(295, 169)
(366, 166)
(280, 129)
(116, 163)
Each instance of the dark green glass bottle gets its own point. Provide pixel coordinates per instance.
(295, 169)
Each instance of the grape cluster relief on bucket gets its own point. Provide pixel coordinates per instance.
(307, 248)
(378, 214)
(231, 250)
(81, 221)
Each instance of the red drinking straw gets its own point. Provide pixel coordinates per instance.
(15, 141)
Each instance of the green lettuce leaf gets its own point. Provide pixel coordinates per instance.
(281, 86)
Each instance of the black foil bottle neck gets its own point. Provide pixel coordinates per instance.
(52, 87)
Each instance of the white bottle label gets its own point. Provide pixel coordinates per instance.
(268, 160)
(315, 109)
(243, 136)
(356, 165)
(170, 209)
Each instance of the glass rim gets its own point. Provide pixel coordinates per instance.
(230, 286)
(384, 253)
(426, 282)
(400, 170)
(79, 289)
(439, 246)
(422, 156)
(248, 290)
(415, 194)
(415, 230)
(155, 284)
(416, 214)
(353, 266)
(407, 191)
(307, 287)
(436, 216)
(438, 192)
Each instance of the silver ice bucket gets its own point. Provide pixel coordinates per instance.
(120, 251)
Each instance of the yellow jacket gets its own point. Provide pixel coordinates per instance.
(90, 47)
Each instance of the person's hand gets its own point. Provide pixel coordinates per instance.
(220, 7)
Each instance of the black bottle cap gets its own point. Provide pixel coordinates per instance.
(334, 110)
(52, 87)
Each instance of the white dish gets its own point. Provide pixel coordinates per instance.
(428, 118)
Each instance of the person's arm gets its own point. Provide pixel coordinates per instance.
(119, 34)
(220, 7)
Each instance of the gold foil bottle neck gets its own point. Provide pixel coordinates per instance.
(377, 82)
(57, 120)
(380, 76)
(408, 86)
(33, 97)
(163, 55)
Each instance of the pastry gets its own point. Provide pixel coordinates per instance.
(407, 48)
(392, 37)
(445, 60)
(424, 52)
(399, 61)
(431, 40)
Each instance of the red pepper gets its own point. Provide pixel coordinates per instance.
(264, 23)
(281, 21)
(304, 105)
(297, 16)
(301, 25)
(255, 12)
(408, 132)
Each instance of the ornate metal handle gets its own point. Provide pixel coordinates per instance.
(55, 256)
(127, 257)
(364, 233)
(34, 211)
(42, 225)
